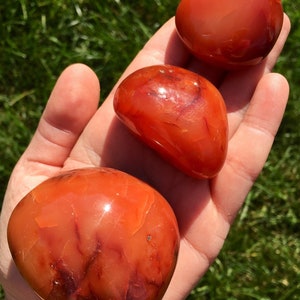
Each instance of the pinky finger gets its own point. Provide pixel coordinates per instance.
(250, 146)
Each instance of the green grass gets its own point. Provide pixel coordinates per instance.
(261, 258)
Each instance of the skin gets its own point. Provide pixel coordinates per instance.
(74, 133)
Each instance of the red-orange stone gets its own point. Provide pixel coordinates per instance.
(178, 113)
(230, 34)
(94, 234)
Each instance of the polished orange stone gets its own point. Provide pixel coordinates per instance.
(94, 234)
(230, 34)
(179, 114)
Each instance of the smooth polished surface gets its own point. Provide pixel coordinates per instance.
(95, 234)
(179, 114)
(231, 33)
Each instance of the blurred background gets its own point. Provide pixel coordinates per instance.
(39, 38)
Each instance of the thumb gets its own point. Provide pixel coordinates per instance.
(72, 103)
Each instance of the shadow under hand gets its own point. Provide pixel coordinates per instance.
(187, 196)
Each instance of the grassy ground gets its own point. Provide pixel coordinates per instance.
(261, 258)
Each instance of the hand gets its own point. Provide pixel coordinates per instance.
(73, 133)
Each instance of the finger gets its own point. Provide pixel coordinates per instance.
(250, 145)
(72, 103)
(110, 134)
(164, 47)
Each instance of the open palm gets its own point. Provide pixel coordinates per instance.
(74, 133)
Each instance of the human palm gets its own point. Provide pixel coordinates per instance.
(74, 133)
